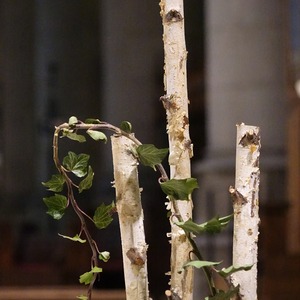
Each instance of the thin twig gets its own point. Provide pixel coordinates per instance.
(71, 199)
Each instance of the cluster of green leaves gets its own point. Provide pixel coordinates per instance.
(224, 272)
(77, 165)
(57, 203)
(73, 135)
(213, 226)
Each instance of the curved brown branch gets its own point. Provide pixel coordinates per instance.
(71, 199)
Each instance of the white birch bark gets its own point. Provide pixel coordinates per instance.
(176, 104)
(246, 205)
(131, 219)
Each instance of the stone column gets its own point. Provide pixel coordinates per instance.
(245, 75)
(131, 44)
(244, 83)
(17, 143)
(16, 74)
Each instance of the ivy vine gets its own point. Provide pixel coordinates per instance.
(74, 173)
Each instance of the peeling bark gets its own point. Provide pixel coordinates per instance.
(176, 104)
(246, 205)
(130, 212)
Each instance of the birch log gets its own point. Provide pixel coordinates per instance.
(129, 208)
(175, 102)
(245, 205)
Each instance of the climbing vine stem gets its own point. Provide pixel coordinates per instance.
(148, 155)
(70, 130)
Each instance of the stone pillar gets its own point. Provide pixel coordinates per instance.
(245, 78)
(131, 40)
(16, 74)
(17, 143)
(244, 83)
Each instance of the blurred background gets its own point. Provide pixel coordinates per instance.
(104, 59)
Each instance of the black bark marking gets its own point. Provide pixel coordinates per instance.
(249, 139)
(135, 257)
(173, 16)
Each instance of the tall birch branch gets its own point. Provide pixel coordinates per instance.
(129, 208)
(245, 205)
(175, 102)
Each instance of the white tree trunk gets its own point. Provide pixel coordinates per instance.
(129, 208)
(176, 104)
(246, 205)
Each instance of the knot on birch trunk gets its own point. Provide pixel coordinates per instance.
(173, 15)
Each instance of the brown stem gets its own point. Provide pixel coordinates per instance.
(71, 199)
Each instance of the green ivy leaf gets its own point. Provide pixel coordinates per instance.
(126, 126)
(92, 121)
(77, 164)
(103, 215)
(97, 135)
(73, 120)
(56, 183)
(201, 263)
(88, 277)
(225, 272)
(82, 297)
(221, 295)
(87, 182)
(179, 189)
(56, 205)
(215, 225)
(104, 256)
(150, 156)
(76, 238)
(73, 135)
